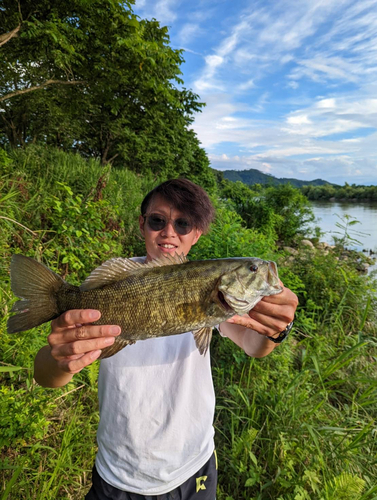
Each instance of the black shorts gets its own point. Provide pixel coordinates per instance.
(201, 486)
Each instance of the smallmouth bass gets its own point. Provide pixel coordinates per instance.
(166, 296)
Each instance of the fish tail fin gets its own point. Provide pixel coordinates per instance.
(36, 285)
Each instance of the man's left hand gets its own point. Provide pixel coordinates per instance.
(271, 315)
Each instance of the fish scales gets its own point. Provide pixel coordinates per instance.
(156, 298)
(167, 296)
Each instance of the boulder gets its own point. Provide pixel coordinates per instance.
(307, 243)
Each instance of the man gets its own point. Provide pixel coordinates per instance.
(155, 437)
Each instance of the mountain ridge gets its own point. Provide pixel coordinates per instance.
(254, 176)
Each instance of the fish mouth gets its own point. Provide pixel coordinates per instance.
(233, 304)
(223, 302)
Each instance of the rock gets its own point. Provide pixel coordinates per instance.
(323, 245)
(307, 243)
(290, 250)
(363, 267)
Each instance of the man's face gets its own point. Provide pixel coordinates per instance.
(167, 240)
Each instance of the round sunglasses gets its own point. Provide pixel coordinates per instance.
(157, 222)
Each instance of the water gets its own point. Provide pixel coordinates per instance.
(327, 214)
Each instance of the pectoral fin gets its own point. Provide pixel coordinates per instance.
(203, 338)
(118, 345)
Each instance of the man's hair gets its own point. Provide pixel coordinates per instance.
(188, 198)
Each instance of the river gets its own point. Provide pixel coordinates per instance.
(327, 215)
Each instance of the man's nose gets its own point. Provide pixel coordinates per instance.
(169, 229)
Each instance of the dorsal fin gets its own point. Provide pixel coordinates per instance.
(119, 268)
(167, 260)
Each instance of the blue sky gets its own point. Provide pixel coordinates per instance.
(290, 86)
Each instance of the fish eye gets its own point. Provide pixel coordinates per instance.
(254, 268)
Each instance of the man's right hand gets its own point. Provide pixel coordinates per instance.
(74, 342)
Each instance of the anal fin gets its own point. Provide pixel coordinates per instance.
(203, 338)
(118, 345)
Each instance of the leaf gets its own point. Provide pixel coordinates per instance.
(250, 482)
(9, 369)
(13, 480)
(253, 457)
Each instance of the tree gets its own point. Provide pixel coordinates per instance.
(88, 75)
(293, 211)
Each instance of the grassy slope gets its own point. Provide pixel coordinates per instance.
(299, 424)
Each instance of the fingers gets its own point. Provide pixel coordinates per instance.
(74, 317)
(271, 315)
(83, 332)
(286, 297)
(75, 342)
(80, 347)
(267, 328)
(76, 364)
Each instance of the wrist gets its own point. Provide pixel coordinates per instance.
(278, 338)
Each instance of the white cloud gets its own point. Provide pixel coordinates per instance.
(266, 168)
(290, 86)
(332, 169)
(332, 68)
(188, 32)
(326, 103)
(249, 84)
(163, 10)
(298, 119)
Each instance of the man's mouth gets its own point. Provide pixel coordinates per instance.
(167, 246)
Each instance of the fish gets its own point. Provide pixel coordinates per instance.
(166, 296)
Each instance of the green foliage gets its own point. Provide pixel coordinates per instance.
(229, 237)
(345, 487)
(346, 192)
(23, 417)
(347, 234)
(293, 211)
(83, 229)
(281, 212)
(90, 76)
(332, 284)
(298, 424)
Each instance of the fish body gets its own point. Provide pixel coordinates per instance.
(164, 297)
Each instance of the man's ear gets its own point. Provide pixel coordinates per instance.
(141, 224)
(197, 236)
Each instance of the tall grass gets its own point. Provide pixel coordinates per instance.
(298, 424)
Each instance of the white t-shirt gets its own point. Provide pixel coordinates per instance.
(157, 406)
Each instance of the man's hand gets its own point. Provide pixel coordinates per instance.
(75, 342)
(271, 315)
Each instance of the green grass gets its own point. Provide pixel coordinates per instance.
(299, 424)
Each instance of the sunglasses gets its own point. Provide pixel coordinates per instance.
(157, 222)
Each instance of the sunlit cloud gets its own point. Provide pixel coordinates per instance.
(188, 32)
(290, 87)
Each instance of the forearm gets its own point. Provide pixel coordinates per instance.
(47, 372)
(253, 343)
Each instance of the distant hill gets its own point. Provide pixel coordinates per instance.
(253, 176)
